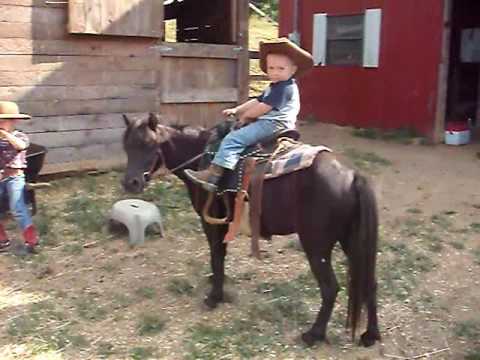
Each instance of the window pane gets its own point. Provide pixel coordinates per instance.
(345, 27)
(344, 52)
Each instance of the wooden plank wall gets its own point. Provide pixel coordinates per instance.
(76, 87)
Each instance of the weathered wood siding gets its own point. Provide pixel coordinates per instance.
(76, 87)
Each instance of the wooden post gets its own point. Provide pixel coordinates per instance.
(243, 59)
(437, 133)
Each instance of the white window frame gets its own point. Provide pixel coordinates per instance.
(371, 38)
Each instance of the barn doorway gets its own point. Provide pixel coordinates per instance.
(463, 91)
(201, 21)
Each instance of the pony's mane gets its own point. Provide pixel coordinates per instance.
(190, 131)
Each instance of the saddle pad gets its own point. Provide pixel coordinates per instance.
(299, 158)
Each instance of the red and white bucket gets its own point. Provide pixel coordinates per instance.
(457, 133)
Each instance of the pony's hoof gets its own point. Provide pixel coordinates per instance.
(310, 339)
(212, 301)
(368, 338)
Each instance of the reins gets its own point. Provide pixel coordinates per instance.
(147, 175)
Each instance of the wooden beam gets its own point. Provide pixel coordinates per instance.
(76, 122)
(38, 15)
(66, 78)
(61, 139)
(35, 3)
(242, 43)
(258, 77)
(438, 128)
(94, 153)
(81, 45)
(79, 107)
(201, 96)
(79, 64)
(196, 50)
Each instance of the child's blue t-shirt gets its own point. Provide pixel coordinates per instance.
(284, 98)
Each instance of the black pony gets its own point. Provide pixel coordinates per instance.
(324, 204)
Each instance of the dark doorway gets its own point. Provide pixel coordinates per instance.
(463, 95)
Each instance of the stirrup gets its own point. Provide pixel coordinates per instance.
(209, 185)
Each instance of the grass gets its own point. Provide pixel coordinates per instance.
(401, 136)
(180, 286)
(141, 353)
(475, 227)
(367, 161)
(469, 329)
(146, 292)
(105, 349)
(473, 354)
(442, 221)
(399, 270)
(242, 338)
(45, 328)
(149, 324)
(476, 256)
(89, 309)
(457, 245)
(86, 213)
(122, 301)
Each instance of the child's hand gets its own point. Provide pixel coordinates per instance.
(230, 112)
(238, 124)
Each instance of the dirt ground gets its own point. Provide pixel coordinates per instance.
(88, 295)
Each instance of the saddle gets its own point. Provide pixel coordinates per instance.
(280, 154)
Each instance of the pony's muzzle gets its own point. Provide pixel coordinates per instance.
(133, 185)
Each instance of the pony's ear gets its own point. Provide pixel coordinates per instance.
(126, 120)
(153, 121)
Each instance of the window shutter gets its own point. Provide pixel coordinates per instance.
(371, 42)
(319, 38)
(116, 17)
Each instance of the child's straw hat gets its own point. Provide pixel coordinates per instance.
(302, 59)
(9, 110)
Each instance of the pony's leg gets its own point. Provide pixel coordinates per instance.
(218, 251)
(372, 334)
(321, 267)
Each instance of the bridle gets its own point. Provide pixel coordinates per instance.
(147, 175)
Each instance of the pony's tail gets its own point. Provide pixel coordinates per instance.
(362, 251)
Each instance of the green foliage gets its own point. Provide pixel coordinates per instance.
(89, 309)
(146, 292)
(142, 353)
(367, 161)
(150, 324)
(180, 286)
(31, 327)
(469, 329)
(269, 7)
(87, 214)
(105, 349)
(402, 136)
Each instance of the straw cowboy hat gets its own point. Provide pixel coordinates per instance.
(303, 59)
(9, 110)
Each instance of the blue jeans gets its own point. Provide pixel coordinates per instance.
(238, 140)
(14, 186)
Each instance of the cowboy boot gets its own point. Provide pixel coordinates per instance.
(30, 237)
(4, 242)
(207, 178)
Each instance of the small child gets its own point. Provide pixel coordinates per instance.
(13, 149)
(276, 109)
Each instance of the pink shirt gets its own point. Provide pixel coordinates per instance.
(9, 156)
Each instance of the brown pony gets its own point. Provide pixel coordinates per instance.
(324, 204)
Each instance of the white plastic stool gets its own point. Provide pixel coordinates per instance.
(136, 215)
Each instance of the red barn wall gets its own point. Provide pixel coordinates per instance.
(401, 92)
